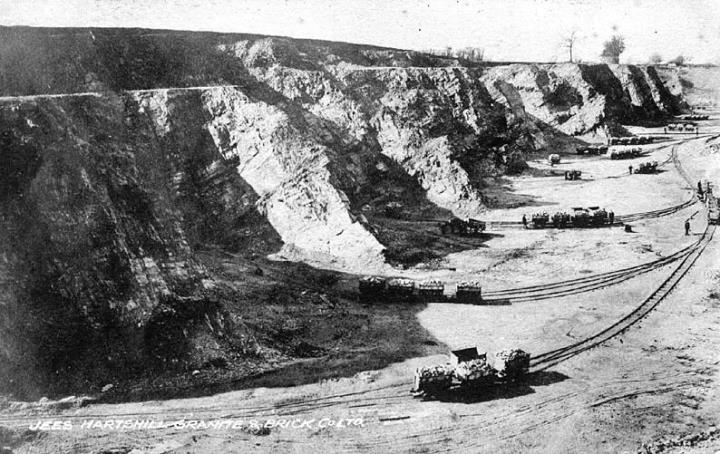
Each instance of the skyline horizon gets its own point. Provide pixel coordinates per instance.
(511, 30)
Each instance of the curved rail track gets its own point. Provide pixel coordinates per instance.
(553, 357)
(584, 284)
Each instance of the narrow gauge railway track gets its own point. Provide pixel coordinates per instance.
(554, 357)
(656, 213)
(540, 362)
(584, 284)
(619, 219)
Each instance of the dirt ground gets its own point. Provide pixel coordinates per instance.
(653, 384)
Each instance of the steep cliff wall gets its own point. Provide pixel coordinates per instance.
(245, 143)
(698, 85)
(440, 124)
(93, 247)
(577, 99)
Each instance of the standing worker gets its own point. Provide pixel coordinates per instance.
(612, 217)
(630, 169)
(700, 191)
(524, 221)
(687, 227)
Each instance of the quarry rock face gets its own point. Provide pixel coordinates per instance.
(440, 124)
(577, 99)
(246, 143)
(290, 171)
(91, 243)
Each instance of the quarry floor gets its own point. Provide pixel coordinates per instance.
(656, 382)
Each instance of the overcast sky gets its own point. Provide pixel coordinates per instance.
(516, 30)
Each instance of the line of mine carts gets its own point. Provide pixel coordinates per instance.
(711, 202)
(694, 117)
(462, 227)
(378, 289)
(635, 140)
(625, 153)
(681, 127)
(580, 217)
(468, 370)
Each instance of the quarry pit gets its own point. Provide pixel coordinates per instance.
(187, 245)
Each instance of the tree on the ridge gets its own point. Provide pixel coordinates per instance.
(655, 59)
(568, 42)
(613, 48)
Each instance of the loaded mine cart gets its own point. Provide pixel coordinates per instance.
(475, 373)
(433, 380)
(512, 364)
(572, 174)
(591, 149)
(460, 227)
(580, 217)
(647, 167)
(540, 220)
(470, 370)
(401, 291)
(469, 292)
(598, 216)
(713, 209)
(625, 153)
(714, 216)
(431, 291)
(561, 220)
(372, 289)
(694, 117)
(453, 225)
(475, 226)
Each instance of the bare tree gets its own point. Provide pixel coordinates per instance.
(568, 42)
(655, 59)
(613, 48)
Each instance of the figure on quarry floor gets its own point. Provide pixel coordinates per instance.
(687, 227)
(630, 170)
(700, 190)
(611, 215)
(524, 221)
